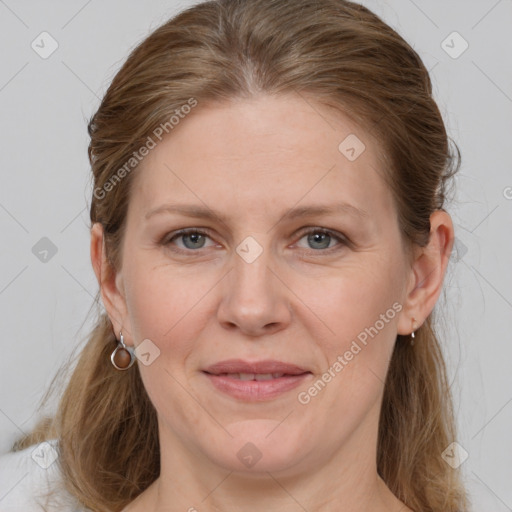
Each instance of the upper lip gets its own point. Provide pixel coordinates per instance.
(266, 366)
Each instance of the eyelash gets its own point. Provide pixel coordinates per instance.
(341, 239)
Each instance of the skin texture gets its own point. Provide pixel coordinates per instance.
(301, 301)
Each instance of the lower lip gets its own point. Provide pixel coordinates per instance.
(254, 390)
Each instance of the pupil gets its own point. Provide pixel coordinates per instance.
(317, 237)
(194, 237)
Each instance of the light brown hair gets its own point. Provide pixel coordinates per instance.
(343, 55)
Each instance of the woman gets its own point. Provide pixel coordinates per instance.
(269, 239)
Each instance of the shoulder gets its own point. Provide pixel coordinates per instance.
(30, 481)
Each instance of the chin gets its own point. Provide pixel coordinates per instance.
(260, 446)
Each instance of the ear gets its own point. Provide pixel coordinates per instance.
(427, 273)
(110, 283)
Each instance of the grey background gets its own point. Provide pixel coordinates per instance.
(45, 192)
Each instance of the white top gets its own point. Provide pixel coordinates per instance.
(25, 477)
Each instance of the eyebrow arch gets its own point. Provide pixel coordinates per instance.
(201, 212)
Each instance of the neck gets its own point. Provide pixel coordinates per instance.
(347, 482)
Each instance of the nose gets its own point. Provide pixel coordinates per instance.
(255, 300)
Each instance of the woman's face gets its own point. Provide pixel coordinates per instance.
(268, 281)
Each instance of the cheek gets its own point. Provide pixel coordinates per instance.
(360, 299)
(160, 300)
(361, 310)
(168, 307)
(163, 307)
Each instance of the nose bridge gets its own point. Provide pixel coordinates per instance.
(252, 297)
(251, 279)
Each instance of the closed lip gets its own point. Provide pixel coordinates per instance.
(266, 366)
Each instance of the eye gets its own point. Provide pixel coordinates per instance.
(192, 239)
(320, 239)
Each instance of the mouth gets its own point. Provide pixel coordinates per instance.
(252, 376)
(255, 381)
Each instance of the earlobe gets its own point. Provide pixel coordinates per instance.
(427, 272)
(107, 279)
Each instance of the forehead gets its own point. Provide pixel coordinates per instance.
(260, 154)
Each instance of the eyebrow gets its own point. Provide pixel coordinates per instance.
(201, 212)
